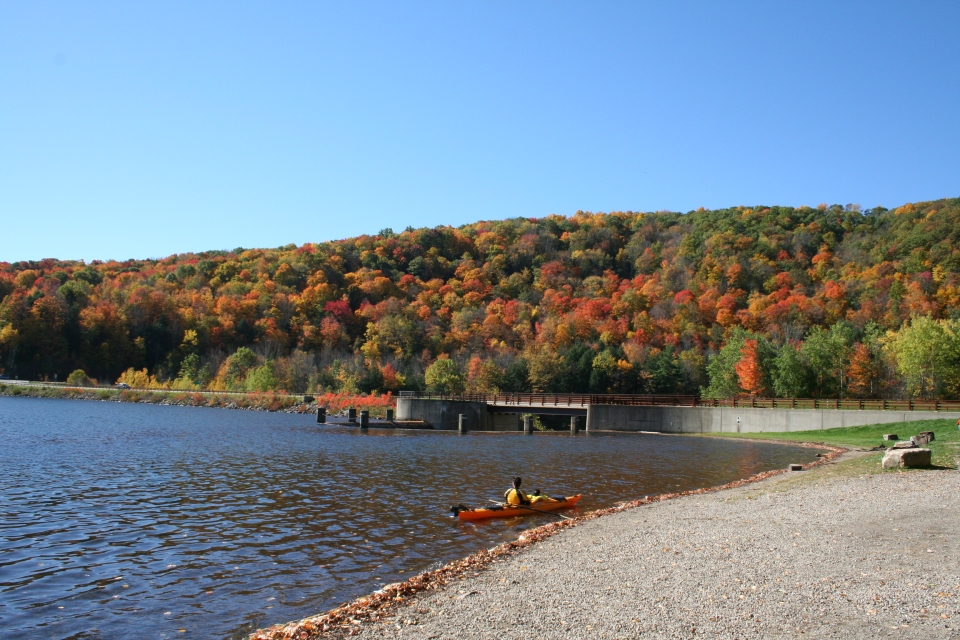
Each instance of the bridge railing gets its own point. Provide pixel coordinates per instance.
(638, 400)
(560, 399)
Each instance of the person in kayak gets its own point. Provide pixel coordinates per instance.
(513, 495)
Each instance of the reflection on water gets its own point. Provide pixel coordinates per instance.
(120, 520)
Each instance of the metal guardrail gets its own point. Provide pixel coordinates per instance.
(636, 400)
(559, 399)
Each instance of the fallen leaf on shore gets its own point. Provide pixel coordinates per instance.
(339, 620)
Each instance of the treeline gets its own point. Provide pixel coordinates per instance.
(827, 301)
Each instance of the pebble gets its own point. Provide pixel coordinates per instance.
(831, 557)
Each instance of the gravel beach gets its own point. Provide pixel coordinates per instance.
(852, 557)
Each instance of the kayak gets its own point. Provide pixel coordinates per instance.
(508, 511)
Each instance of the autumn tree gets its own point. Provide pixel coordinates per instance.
(625, 301)
(484, 376)
(721, 368)
(863, 374)
(750, 373)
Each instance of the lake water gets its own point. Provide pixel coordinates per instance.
(124, 520)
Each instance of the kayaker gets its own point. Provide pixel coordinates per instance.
(513, 495)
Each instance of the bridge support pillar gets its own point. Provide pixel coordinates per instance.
(528, 424)
(462, 423)
(574, 425)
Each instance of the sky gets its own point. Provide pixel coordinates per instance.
(141, 129)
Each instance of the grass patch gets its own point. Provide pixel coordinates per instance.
(945, 450)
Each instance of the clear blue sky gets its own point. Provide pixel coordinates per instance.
(142, 129)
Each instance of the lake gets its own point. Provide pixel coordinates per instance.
(128, 520)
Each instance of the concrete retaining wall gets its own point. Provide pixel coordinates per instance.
(744, 420)
(442, 414)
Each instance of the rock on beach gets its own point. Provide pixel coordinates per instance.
(913, 458)
(794, 556)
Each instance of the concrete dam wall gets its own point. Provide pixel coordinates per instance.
(443, 414)
(742, 419)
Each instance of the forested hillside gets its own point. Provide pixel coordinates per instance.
(780, 301)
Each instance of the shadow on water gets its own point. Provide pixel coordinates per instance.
(121, 520)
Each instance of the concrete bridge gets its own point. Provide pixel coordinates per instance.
(664, 413)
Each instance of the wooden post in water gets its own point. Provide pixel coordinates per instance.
(364, 419)
(351, 415)
(462, 423)
(528, 425)
(321, 415)
(389, 415)
(574, 425)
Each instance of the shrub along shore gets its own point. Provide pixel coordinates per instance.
(267, 401)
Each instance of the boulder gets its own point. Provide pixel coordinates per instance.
(890, 436)
(922, 439)
(915, 458)
(795, 467)
(906, 444)
(928, 434)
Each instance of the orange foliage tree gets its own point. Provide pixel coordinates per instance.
(749, 371)
(546, 303)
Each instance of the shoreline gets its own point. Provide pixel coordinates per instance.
(365, 612)
(266, 401)
(828, 553)
(164, 398)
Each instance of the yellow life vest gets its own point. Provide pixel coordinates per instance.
(514, 496)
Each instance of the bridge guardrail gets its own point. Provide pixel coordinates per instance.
(559, 399)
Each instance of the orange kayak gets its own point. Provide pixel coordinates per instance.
(510, 510)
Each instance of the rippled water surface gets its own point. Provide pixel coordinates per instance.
(121, 520)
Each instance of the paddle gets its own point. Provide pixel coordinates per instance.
(526, 506)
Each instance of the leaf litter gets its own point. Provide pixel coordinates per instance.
(345, 620)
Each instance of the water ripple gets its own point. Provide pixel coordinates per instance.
(122, 520)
